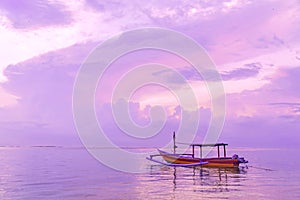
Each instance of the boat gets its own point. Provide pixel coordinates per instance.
(219, 161)
(190, 160)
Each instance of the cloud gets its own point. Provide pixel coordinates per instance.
(277, 98)
(142, 117)
(265, 42)
(236, 73)
(257, 56)
(248, 70)
(285, 104)
(179, 12)
(44, 85)
(25, 14)
(224, 28)
(44, 88)
(259, 131)
(268, 116)
(290, 110)
(7, 99)
(95, 4)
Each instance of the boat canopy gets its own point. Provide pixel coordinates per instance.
(209, 145)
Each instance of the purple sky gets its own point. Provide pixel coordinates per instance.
(255, 45)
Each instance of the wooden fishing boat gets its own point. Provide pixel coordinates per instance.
(219, 161)
(174, 159)
(190, 160)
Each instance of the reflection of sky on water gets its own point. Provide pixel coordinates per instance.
(71, 173)
(195, 181)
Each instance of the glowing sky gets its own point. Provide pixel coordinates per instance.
(255, 45)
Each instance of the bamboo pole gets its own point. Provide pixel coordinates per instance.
(174, 143)
(200, 151)
(193, 147)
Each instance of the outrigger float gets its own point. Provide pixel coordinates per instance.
(189, 160)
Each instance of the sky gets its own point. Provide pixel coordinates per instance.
(254, 45)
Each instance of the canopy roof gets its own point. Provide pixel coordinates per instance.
(209, 145)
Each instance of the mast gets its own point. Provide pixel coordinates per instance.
(174, 143)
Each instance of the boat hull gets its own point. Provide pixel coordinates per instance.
(211, 162)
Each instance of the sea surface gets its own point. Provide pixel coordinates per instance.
(72, 173)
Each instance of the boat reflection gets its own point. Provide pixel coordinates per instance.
(200, 179)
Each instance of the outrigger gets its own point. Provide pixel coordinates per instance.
(189, 160)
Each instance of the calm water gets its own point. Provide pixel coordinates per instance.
(71, 173)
